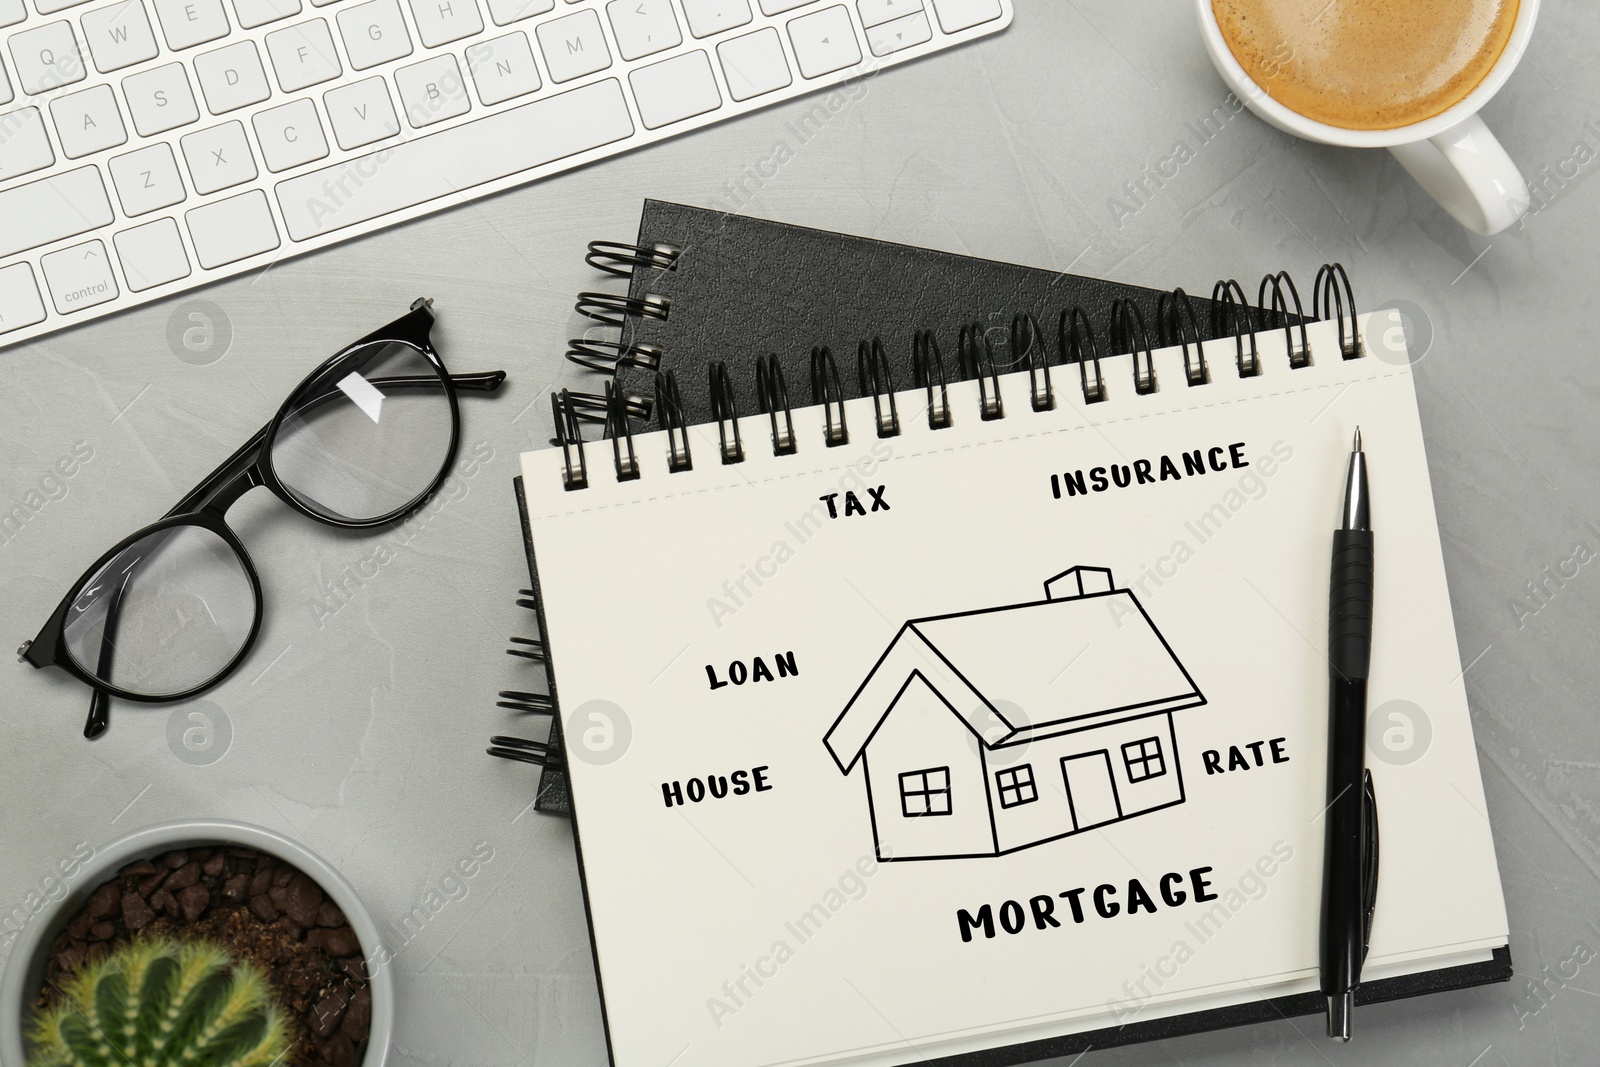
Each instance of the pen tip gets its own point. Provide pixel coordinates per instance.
(1357, 446)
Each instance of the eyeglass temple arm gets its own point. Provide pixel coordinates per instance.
(99, 719)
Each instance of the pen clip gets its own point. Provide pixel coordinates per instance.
(1369, 860)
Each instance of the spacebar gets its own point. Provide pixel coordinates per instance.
(454, 160)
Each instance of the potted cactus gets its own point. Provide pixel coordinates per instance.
(214, 932)
(156, 1003)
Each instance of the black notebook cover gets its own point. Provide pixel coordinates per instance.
(744, 287)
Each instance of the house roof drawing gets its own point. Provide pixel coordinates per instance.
(1087, 655)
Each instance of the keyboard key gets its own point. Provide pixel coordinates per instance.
(46, 57)
(361, 113)
(675, 89)
(290, 135)
(79, 277)
(877, 12)
(956, 15)
(186, 23)
(152, 254)
(643, 27)
(505, 12)
(824, 41)
(754, 64)
(88, 121)
(374, 32)
(26, 146)
(119, 36)
(713, 16)
(777, 7)
(5, 85)
(160, 99)
(20, 304)
(147, 180)
(12, 12)
(442, 21)
(573, 46)
(50, 209)
(232, 77)
(218, 158)
(503, 68)
(50, 7)
(303, 55)
(253, 13)
(432, 91)
(232, 229)
(903, 32)
(451, 161)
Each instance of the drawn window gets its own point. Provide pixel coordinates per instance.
(925, 792)
(1144, 759)
(1016, 786)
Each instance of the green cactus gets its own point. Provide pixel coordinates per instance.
(154, 1003)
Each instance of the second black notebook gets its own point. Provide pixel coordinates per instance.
(707, 286)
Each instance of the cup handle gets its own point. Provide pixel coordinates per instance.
(1466, 170)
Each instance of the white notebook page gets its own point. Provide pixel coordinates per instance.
(921, 875)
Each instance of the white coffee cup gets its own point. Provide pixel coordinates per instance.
(1452, 155)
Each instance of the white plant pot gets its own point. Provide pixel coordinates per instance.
(25, 969)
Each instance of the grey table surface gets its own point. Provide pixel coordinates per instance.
(358, 725)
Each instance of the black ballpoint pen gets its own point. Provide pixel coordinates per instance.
(1350, 854)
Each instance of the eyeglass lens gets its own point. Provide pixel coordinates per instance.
(166, 614)
(367, 438)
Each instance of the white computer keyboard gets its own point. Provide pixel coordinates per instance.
(151, 146)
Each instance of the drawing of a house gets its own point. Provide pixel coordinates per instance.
(952, 770)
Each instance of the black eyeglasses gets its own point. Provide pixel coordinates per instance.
(173, 609)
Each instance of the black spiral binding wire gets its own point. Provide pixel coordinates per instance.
(1331, 293)
(975, 359)
(1278, 315)
(553, 797)
(872, 367)
(1278, 306)
(606, 357)
(1078, 346)
(1176, 325)
(726, 411)
(1230, 313)
(575, 469)
(927, 370)
(596, 407)
(1129, 335)
(619, 259)
(669, 403)
(1027, 342)
(621, 434)
(829, 394)
(612, 309)
(772, 400)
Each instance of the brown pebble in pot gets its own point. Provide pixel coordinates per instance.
(183, 877)
(193, 901)
(105, 901)
(136, 912)
(301, 899)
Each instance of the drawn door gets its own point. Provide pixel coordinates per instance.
(1090, 789)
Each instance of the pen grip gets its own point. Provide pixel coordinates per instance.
(1350, 604)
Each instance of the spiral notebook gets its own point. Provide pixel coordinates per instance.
(985, 721)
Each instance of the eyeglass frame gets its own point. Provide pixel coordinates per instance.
(206, 506)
